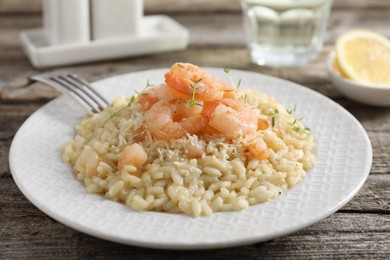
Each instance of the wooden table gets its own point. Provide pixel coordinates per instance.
(361, 229)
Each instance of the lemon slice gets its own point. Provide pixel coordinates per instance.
(364, 56)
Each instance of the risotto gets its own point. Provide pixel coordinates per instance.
(192, 145)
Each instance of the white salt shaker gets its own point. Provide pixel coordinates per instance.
(115, 18)
(66, 21)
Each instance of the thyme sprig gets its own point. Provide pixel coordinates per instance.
(227, 71)
(273, 115)
(293, 110)
(295, 127)
(129, 104)
(132, 100)
(294, 124)
(148, 85)
(194, 87)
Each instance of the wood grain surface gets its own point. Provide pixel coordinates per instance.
(361, 229)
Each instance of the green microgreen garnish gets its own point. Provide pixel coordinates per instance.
(293, 110)
(246, 95)
(274, 113)
(238, 84)
(293, 122)
(148, 84)
(115, 114)
(298, 129)
(295, 127)
(129, 104)
(194, 89)
(132, 100)
(227, 71)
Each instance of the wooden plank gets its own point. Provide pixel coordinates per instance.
(12, 116)
(171, 6)
(373, 197)
(381, 152)
(20, 6)
(27, 232)
(313, 75)
(4, 155)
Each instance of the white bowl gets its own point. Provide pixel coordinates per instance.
(365, 93)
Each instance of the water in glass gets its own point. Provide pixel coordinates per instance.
(285, 32)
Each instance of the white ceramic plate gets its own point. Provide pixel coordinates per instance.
(344, 160)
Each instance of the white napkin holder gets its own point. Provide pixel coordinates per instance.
(109, 30)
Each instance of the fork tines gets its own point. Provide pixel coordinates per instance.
(78, 88)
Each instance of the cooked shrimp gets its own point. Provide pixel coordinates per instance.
(229, 91)
(134, 155)
(87, 161)
(149, 98)
(173, 119)
(257, 149)
(157, 93)
(195, 149)
(232, 117)
(184, 75)
(171, 93)
(262, 124)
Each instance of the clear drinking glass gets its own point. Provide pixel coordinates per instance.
(282, 33)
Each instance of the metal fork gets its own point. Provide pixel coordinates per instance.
(76, 87)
